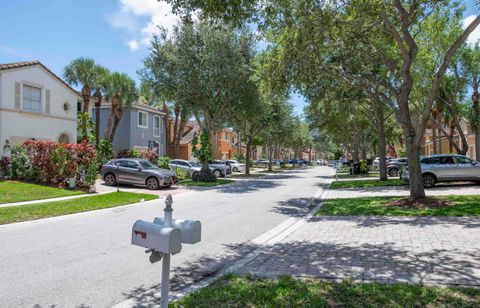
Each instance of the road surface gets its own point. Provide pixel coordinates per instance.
(86, 259)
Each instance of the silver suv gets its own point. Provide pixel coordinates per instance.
(447, 168)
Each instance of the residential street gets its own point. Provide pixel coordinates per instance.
(87, 259)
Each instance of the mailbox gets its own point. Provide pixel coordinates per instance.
(156, 237)
(191, 229)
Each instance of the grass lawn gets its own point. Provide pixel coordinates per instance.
(353, 176)
(57, 208)
(234, 291)
(204, 184)
(13, 191)
(377, 206)
(367, 183)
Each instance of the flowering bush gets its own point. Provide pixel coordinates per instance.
(150, 155)
(54, 163)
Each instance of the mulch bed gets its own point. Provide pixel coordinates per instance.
(421, 203)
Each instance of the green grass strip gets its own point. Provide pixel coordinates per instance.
(57, 208)
(366, 183)
(377, 206)
(14, 191)
(234, 291)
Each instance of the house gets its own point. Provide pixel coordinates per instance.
(141, 128)
(35, 104)
(185, 145)
(443, 144)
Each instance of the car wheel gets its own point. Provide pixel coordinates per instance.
(217, 173)
(393, 172)
(194, 174)
(152, 183)
(235, 169)
(428, 180)
(110, 179)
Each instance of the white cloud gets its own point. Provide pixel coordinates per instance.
(141, 18)
(133, 44)
(475, 35)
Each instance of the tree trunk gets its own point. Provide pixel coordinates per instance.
(434, 138)
(175, 130)
(176, 145)
(166, 122)
(118, 117)
(476, 114)
(86, 104)
(417, 191)
(247, 158)
(111, 116)
(270, 157)
(439, 133)
(98, 103)
(382, 143)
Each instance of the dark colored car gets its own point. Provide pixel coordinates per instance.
(135, 171)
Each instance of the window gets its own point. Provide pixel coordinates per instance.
(32, 99)
(142, 119)
(156, 126)
(462, 160)
(446, 160)
(225, 136)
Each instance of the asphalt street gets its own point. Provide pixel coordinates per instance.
(86, 259)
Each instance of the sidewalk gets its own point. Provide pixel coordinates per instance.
(439, 190)
(425, 250)
(49, 200)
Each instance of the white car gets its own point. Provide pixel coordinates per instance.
(192, 167)
(236, 166)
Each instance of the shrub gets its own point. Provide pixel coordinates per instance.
(239, 157)
(182, 174)
(53, 163)
(104, 151)
(163, 162)
(5, 165)
(20, 163)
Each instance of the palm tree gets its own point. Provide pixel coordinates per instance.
(100, 89)
(82, 72)
(120, 91)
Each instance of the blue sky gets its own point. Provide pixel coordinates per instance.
(113, 32)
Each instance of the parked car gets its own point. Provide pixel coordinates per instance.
(137, 171)
(446, 168)
(394, 166)
(299, 162)
(191, 167)
(223, 163)
(376, 161)
(236, 166)
(261, 162)
(277, 162)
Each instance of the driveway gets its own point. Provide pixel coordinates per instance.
(87, 260)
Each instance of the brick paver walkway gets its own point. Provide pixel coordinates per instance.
(428, 250)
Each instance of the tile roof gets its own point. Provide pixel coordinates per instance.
(16, 65)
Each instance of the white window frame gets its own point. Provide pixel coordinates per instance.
(31, 85)
(157, 129)
(146, 119)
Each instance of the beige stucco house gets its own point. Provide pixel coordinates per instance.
(35, 104)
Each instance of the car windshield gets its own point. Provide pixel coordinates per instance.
(194, 164)
(146, 164)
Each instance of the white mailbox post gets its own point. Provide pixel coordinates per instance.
(164, 237)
